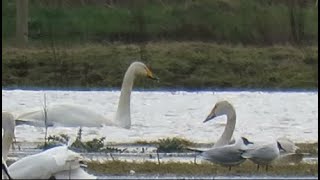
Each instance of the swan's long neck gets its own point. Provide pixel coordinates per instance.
(7, 140)
(228, 131)
(123, 118)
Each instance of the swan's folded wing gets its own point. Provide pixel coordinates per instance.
(78, 173)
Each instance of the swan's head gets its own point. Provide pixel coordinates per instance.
(221, 108)
(142, 70)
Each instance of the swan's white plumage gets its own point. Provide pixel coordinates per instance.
(69, 115)
(224, 152)
(8, 125)
(43, 165)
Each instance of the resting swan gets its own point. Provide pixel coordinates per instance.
(223, 152)
(69, 115)
(56, 162)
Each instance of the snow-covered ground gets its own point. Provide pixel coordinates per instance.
(159, 114)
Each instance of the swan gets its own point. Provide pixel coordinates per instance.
(52, 162)
(263, 154)
(69, 115)
(8, 125)
(223, 152)
(224, 108)
(43, 165)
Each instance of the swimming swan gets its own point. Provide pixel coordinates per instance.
(69, 115)
(52, 162)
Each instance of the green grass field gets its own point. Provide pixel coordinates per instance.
(184, 65)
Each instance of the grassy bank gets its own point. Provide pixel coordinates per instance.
(224, 21)
(178, 64)
(247, 168)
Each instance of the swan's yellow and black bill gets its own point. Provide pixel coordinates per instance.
(151, 75)
(209, 117)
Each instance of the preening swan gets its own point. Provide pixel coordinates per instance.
(223, 152)
(69, 115)
(48, 163)
(52, 162)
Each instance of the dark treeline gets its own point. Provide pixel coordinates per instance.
(263, 22)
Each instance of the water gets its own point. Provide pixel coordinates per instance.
(260, 115)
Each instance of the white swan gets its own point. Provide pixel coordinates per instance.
(224, 108)
(8, 125)
(223, 152)
(52, 162)
(263, 154)
(69, 115)
(56, 161)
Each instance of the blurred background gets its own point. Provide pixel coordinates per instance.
(189, 44)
